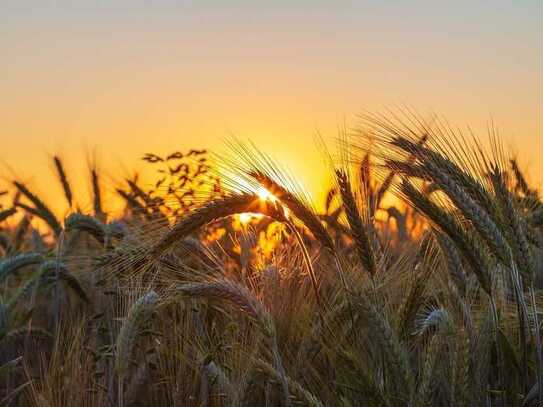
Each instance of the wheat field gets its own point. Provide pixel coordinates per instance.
(416, 283)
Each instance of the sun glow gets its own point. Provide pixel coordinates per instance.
(265, 195)
(247, 217)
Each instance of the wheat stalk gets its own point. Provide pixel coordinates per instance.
(20, 231)
(13, 264)
(96, 192)
(472, 211)
(357, 228)
(213, 210)
(454, 262)
(6, 213)
(242, 298)
(298, 391)
(466, 243)
(131, 329)
(393, 348)
(89, 224)
(59, 270)
(522, 185)
(431, 160)
(421, 398)
(40, 208)
(297, 207)
(63, 180)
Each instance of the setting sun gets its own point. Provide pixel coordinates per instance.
(247, 217)
(266, 195)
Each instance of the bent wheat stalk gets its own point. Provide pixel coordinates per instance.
(216, 209)
(242, 298)
(6, 213)
(297, 390)
(40, 208)
(15, 263)
(297, 207)
(466, 243)
(87, 224)
(131, 329)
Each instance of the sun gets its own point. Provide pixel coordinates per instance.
(265, 195)
(247, 217)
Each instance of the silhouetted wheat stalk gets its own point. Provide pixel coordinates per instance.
(217, 209)
(360, 235)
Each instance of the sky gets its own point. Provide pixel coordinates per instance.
(118, 79)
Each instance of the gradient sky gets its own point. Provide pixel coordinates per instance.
(130, 77)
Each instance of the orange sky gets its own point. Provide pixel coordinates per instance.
(130, 77)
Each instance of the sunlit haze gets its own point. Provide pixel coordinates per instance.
(119, 79)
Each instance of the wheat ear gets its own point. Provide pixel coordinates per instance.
(358, 230)
(40, 208)
(241, 297)
(89, 224)
(297, 207)
(132, 327)
(6, 213)
(63, 178)
(216, 209)
(13, 264)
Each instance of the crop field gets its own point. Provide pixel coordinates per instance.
(417, 282)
